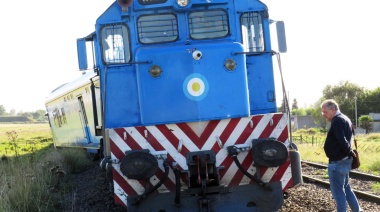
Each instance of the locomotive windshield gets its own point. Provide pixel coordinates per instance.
(158, 28)
(208, 24)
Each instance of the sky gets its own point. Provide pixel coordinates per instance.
(327, 42)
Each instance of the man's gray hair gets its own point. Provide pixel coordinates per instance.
(330, 103)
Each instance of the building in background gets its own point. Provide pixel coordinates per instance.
(303, 122)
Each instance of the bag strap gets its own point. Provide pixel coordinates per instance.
(353, 134)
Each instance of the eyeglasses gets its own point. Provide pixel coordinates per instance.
(324, 112)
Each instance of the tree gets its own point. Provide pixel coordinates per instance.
(295, 104)
(12, 112)
(344, 94)
(319, 120)
(366, 123)
(2, 110)
(25, 114)
(39, 115)
(299, 112)
(369, 103)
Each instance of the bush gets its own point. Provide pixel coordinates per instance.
(75, 160)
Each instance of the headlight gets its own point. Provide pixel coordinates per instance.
(155, 71)
(230, 64)
(182, 3)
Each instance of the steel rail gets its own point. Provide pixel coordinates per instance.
(354, 174)
(360, 194)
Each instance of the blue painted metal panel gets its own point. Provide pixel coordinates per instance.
(122, 105)
(261, 84)
(88, 133)
(169, 99)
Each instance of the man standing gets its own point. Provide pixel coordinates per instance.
(338, 149)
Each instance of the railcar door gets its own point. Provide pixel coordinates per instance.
(84, 120)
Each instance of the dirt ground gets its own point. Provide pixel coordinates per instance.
(93, 193)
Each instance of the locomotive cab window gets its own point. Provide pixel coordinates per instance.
(252, 32)
(208, 24)
(115, 44)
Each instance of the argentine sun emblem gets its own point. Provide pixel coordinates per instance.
(195, 87)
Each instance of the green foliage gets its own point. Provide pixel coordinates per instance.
(344, 93)
(303, 111)
(75, 160)
(295, 104)
(311, 149)
(370, 103)
(375, 167)
(37, 177)
(38, 115)
(353, 100)
(24, 186)
(319, 120)
(2, 110)
(21, 139)
(366, 123)
(376, 187)
(309, 111)
(13, 144)
(374, 137)
(323, 173)
(320, 133)
(308, 131)
(299, 112)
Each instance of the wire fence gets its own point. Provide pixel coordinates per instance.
(319, 142)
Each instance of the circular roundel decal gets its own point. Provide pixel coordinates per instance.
(195, 87)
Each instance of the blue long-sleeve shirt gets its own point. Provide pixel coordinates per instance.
(338, 141)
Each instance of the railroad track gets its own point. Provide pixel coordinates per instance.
(354, 174)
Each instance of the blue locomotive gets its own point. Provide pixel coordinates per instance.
(181, 105)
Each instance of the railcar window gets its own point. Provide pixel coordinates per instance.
(208, 24)
(157, 28)
(252, 32)
(57, 117)
(64, 120)
(115, 44)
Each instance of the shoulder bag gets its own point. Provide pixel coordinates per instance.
(355, 160)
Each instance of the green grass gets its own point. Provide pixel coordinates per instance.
(376, 187)
(20, 139)
(311, 149)
(24, 186)
(34, 175)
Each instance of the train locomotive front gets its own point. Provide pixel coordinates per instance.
(188, 113)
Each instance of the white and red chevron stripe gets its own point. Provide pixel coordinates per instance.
(214, 135)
